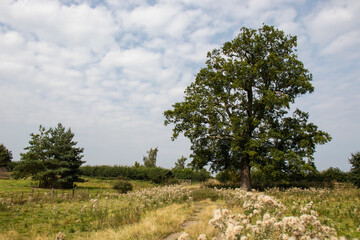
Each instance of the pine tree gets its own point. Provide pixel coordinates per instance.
(51, 159)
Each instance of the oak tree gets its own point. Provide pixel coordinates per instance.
(237, 111)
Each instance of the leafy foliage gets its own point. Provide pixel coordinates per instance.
(154, 174)
(123, 186)
(191, 174)
(334, 174)
(236, 113)
(5, 156)
(150, 160)
(180, 163)
(355, 169)
(52, 158)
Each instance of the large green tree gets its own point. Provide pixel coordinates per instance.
(237, 112)
(5, 156)
(51, 159)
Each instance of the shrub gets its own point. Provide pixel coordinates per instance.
(155, 174)
(229, 176)
(123, 186)
(190, 174)
(204, 193)
(334, 174)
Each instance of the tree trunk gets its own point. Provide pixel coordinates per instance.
(245, 174)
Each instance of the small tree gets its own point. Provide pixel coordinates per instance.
(180, 163)
(52, 158)
(355, 169)
(150, 160)
(5, 156)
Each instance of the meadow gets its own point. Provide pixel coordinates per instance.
(187, 211)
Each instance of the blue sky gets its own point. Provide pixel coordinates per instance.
(108, 69)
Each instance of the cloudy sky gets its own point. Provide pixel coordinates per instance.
(108, 69)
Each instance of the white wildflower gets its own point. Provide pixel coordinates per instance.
(184, 236)
(202, 237)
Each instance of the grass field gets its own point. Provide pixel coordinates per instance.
(96, 211)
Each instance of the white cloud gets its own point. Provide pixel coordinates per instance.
(344, 45)
(69, 26)
(331, 19)
(109, 70)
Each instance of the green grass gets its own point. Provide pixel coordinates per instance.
(49, 211)
(338, 208)
(27, 213)
(11, 185)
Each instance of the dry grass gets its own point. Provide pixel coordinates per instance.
(201, 224)
(154, 225)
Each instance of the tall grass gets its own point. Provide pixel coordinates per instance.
(73, 215)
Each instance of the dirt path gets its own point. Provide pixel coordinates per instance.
(193, 220)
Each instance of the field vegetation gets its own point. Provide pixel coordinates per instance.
(94, 210)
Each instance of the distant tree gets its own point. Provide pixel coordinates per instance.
(236, 112)
(51, 159)
(355, 169)
(137, 164)
(5, 156)
(334, 174)
(150, 160)
(180, 163)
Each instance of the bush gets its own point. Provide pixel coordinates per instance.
(204, 193)
(123, 186)
(190, 174)
(229, 176)
(334, 174)
(155, 174)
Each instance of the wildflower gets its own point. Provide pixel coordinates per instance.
(83, 208)
(60, 236)
(245, 221)
(314, 213)
(184, 236)
(278, 226)
(202, 237)
(232, 231)
(266, 217)
(285, 236)
(256, 211)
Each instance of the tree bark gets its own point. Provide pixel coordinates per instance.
(245, 174)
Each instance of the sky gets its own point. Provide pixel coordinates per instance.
(109, 69)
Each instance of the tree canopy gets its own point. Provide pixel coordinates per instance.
(51, 159)
(150, 160)
(5, 156)
(180, 163)
(237, 111)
